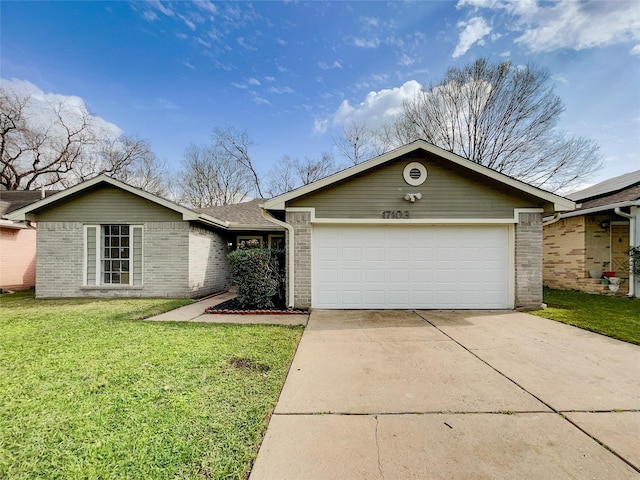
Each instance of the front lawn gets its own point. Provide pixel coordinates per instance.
(612, 316)
(88, 391)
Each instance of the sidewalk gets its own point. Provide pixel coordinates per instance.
(195, 313)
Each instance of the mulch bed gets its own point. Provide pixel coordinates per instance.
(233, 307)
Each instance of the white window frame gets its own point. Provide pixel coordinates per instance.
(98, 260)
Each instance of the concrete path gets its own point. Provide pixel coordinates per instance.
(435, 394)
(195, 313)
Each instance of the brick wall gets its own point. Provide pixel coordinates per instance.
(60, 262)
(564, 253)
(208, 264)
(17, 258)
(528, 260)
(301, 223)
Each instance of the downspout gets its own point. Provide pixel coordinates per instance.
(632, 242)
(290, 269)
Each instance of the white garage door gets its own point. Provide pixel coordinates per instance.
(457, 267)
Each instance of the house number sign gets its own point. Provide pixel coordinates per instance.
(397, 214)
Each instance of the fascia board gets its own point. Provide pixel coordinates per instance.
(559, 203)
(601, 208)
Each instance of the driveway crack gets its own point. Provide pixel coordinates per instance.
(378, 449)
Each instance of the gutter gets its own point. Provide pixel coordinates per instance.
(291, 266)
(632, 242)
(601, 208)
(554, 219)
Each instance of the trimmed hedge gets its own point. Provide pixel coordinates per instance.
(257, 273)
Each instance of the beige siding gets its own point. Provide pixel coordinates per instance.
(449, 192)
(108, 205)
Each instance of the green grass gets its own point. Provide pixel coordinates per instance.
(87, 391)
(612, 316)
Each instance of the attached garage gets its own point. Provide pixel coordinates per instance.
(416, 228)
(422, 267)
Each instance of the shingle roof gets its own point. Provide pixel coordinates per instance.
(11, 200)
(608, 187)
(246, 214)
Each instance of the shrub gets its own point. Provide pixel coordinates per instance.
(257, 274)
(634, 253)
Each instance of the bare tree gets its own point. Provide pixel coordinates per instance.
(58, 144)
(210, 177)
(39, 152)
(503, 117)
(235, 144)
(357, 142)
(290, 173)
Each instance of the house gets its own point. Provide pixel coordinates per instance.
(418, 227)
(599, 232)
(17, 241)
(104, 238)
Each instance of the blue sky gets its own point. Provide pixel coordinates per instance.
(293, 74)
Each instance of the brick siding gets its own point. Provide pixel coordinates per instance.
(301, 223)
(60, 262)
(208, 264)
(528, 261)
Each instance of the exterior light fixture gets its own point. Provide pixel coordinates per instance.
(412, 197)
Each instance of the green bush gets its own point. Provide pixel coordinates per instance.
(258, 275)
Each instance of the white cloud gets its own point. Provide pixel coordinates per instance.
(579, 25)
(327, 66)
(159, 6)
(150, 16)
(568, 23)
(635, 50)
(474, 31)
(377, 107)
(320, 125)
(270, 79)
(254, 81)
(363, 43)
(206, 6)
(281, 90)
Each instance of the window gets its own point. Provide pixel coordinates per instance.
(113, 255)
(276, 242)
(249, 241)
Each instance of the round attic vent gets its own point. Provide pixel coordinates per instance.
(415, 174)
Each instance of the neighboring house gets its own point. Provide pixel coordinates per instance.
(17, 241)
(105, 238)
(418, 227)
(604, 225)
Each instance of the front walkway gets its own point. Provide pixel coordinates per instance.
(195, 312)
(435, 394)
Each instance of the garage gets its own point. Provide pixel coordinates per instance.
(415, 228)
(411, 266)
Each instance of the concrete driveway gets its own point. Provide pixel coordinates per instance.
(442, 394)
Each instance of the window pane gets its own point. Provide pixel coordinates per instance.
(124, 230)
(124, 265)
(107, 241)
(115, 242)
(115, 253)
(124, 278)
(107, 278)
(124, 253)
(106, 253)
(115, 266)
(124, 241)
(115, 278)
(115, 229)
